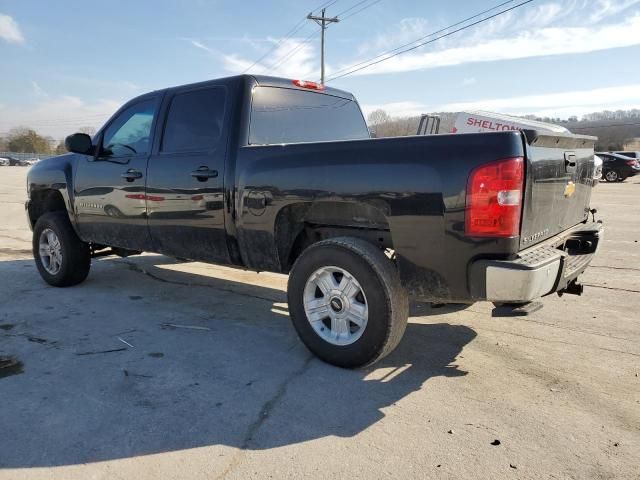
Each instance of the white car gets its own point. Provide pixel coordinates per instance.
(134, 202)
(4, 162)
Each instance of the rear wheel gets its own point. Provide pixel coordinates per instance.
(62, 258)
(346, 302)
(612, 176)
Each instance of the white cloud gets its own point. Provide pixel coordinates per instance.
(552, 28)
(37, 90)
(405, 31)
(201, 46)
(562, 104)
(536, 43)
(58, 116)
(469, 81)
(606, 8)
(397, 109)
(576, 102)
(293, 57)
(9, 30)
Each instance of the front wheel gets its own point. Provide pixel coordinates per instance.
(62, 258)
(346, 302)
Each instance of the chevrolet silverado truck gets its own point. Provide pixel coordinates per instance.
(270, 174)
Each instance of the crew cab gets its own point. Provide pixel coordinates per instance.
(279, 175)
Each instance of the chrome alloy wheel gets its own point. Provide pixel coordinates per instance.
(50, 251)
(335, 305)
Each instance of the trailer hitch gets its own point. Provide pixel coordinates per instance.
(574, 288)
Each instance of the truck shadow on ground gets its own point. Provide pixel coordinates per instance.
(242, 380)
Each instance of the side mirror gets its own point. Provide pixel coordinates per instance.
(79, 143)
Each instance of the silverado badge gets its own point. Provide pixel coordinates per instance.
(569, 189)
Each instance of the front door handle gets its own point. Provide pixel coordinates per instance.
(203, 174)
(131, 174)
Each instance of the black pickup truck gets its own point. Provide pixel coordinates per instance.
(277, 175)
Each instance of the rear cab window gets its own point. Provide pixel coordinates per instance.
(284, 115)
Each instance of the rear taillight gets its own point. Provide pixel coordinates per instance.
(494, 199)
(632, 163)
(141, 196)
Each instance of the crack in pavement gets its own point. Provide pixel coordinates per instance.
(17, 239)
(264, 413)
(595, 285)
(615, 268)
(560, 327)
(558, 341)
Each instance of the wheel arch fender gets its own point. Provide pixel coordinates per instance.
(300, 224)
(50, 188)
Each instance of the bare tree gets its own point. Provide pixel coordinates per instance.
(378, 117)
(91, 131)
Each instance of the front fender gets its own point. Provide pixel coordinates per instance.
(52, 174)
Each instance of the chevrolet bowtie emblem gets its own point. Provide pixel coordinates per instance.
(569, 189)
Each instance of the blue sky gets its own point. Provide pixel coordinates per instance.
(70, 64)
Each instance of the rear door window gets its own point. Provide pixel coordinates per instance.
(284, 115)
(194, 121)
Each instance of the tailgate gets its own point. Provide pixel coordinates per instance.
(558, 187)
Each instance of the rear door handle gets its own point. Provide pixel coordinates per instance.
(569, 160)
(203, 173)
(131, 174)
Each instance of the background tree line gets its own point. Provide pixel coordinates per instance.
(613, 128)
(27, 140)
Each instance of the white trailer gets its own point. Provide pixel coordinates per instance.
(478, 121)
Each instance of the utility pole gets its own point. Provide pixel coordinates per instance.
(323, 22)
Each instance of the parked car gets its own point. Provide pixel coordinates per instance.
(292, 183)
(5, 162)
(635, 155)
(617, 168)
(12, 160)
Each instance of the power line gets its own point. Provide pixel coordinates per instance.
(424, 37)
(294, 50)
(389, 56)
(298, 26)
(306, 40)
(352, 7)
(291, 32)
(358, 11)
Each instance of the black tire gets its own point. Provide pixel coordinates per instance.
(612, 176)
(112, 211)
(76, 255)
(387, 301)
